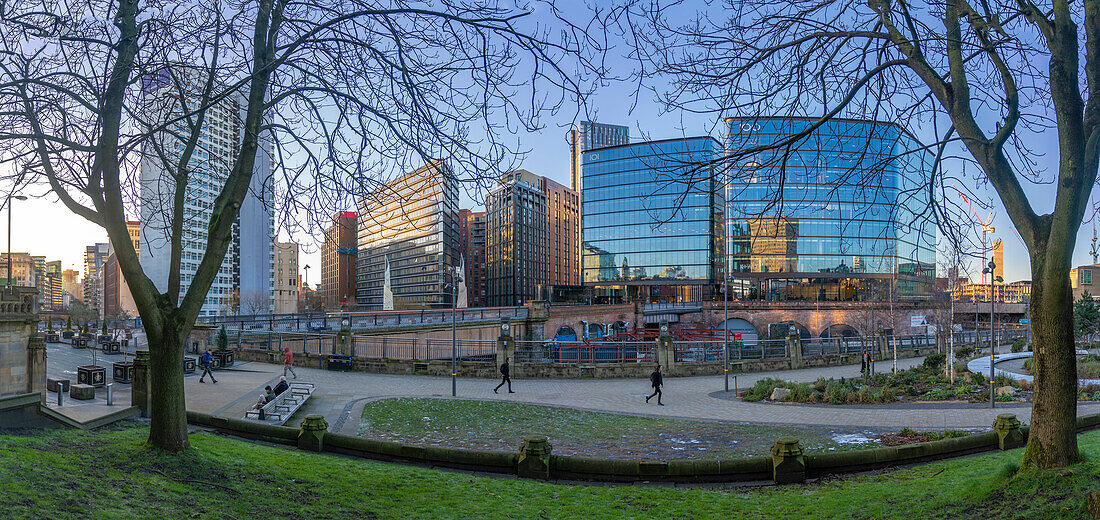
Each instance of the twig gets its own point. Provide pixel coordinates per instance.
(190, 481)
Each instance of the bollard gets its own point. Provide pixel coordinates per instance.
(788, 464)
(312, 434)
(735, 384)
(534, 457)
(60, 395)
(1008, 432)
(110, 394)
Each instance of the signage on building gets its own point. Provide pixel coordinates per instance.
(917, 321)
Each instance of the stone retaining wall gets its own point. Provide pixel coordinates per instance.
(785, 465)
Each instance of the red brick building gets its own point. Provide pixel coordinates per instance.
(471, 242)
(338, 254)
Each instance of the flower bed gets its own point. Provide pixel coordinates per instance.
(925, 382)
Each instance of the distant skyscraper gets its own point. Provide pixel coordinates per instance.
(589, 135)
(52, 295)
(285, 300)
(246, 271)
(95, 259)
(532, 225)
(117, 297)
(71, 287)
(407, 229)
(998, 258)
(472, 228)
(338, 254)
(22, 269)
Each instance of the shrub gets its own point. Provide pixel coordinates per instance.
(223, 339)
(763, 389)
(963, 353)
(1018, 345)
(946, 434)
(979, 379)
(934, 361)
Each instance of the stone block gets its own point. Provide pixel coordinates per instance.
(1004, 390)
(780, 394)
(1092, 505)
(1007, 428)
(82, 392)
(53, 383)
(311, 436)
(534, 457)
(788, 464)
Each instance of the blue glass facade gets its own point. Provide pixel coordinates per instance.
(842, 214)
(652, 220)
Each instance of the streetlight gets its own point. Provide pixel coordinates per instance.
(453, 286)
(992, 333)
(11, 280)
(726, 326)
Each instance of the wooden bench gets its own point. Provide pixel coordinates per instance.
(280, 409)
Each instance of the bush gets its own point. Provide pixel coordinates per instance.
(934, 361)
(1018, 345)
(223, 339)
(963, 353)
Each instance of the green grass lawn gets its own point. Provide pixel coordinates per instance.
(109, 473)
(502, 426)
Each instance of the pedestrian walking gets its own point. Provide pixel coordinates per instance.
(207, 362)
(288, 362)
(504, 377)
(657, 380)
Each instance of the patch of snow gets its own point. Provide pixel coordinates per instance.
(851, 438)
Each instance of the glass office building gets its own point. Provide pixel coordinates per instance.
(652, 221)
(408, 241)
(841, 214)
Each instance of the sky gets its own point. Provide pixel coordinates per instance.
(43, 226)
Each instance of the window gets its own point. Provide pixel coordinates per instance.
(1086, 276)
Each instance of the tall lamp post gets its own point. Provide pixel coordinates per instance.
(726, 327)
(453, 286)
(11, 280)
(992, 333)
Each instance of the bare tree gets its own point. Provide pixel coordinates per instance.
(970, 73)
(336, 95)
(253, 302)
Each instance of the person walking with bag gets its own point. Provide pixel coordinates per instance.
(207, 361)
(657, 380)
(505, 374)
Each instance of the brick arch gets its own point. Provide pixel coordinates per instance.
(839, 330)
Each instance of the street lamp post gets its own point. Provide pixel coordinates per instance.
(455, 280)
(11, 281)
(726, 328)
(992, 333)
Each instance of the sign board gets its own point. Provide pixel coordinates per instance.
(917, 321)
(737, 335)
(1025, 320)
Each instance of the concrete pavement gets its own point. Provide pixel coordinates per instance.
(340, 396)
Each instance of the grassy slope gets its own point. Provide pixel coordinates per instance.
(109, 474)
(503, 425)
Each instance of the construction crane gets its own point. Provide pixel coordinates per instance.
(986, 227)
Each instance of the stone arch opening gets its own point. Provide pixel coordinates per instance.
(840, 330)
(782, 330)
(565, 333)
(749, 334)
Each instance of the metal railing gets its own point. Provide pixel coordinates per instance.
(317, 322)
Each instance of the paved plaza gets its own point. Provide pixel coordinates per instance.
(340, 396)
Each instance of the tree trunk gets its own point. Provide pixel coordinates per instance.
(1052, 441)
(168, 427)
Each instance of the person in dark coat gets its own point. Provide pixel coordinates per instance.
(207, 361)
(281, 386)
(505, 377)
(657, 380)
(269, 394)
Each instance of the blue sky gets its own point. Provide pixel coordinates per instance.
(43, 226)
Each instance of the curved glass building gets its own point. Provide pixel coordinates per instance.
(840, 214)
(652, 221)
